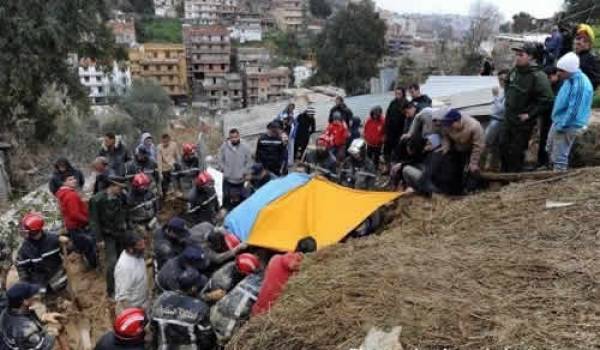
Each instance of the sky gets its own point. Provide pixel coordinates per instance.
(539, 9)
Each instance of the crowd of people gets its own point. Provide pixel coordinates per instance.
(206, 282)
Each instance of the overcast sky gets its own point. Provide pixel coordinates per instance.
(540, 9)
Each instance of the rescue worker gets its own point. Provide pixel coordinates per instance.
(192, 257)
(180, 320)
(280, 268)
(100, 167)
(189, 168)
(528, 97)
(131, 281)
(62, 170)
(128, 332)
(76, 220)
(203, 204)
(20, 327)
(39, 259)
(374, 134)
(320, 157)
(271, 151)
(229, 275)
(305, 127)
(235, 160)
(108, 221)
(358, 171)
(142, 163)
(115, 153)
(169, 241)
(259, 176)
(142, 204)
(219, 246)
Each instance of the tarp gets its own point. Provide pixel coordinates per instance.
(317, 208)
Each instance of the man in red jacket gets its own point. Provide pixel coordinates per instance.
(375, 134)
(75, 217)
(337, 136)
(278, 272)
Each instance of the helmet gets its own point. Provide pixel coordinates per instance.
(356, 147)
(247, 263)
(32, 222)
(141, 181)
(188, 149)
(129, 325)
(231, 240)
(203, 179)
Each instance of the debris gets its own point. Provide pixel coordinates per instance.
(380, 340)
(554, 205)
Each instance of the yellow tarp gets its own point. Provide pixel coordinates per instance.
(321, 209)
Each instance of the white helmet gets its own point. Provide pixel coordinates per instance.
(356, 147)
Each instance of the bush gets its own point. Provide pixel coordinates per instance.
(596, 101)
(162, 30)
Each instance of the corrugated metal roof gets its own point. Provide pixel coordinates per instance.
(440, 86)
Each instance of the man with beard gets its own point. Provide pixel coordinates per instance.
(131, 281)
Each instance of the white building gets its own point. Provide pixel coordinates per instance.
(166, 8)
(209, 11)
(302, 74)
(102, 85)
(246, 30)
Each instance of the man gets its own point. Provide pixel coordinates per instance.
(203, 204)
(401, 152)
(572, 110)
(271, 151)
(229, 275)
(100, 167)
(76, 219)
(219, 246)
(341, 108)
(588, 63)
(423, 125)
(108, 221)
(494, 128)
(192, 257)
(259, 176)
(305, 127)
(142, 163)
(131, 281)
(418, 176)
(358, 170)
(375, 134)
(168, 154)
(128, 332)
(169, 241)
(62, 170)
(421, 101)
(180, 319)
(336, 135)
(115, 153)
(462, 144)
(235, 160)
(147, 144)
(320, 159)
(20, 327)
(38, 259)
(278, 271)
(394, 122)
(142, 204)
(528, 97)
(189, 168)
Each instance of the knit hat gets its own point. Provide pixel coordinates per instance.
(568, 63)
(450, 117)
(584, 29)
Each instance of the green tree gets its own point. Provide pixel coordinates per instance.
(523, 22)
(320, 8)
(148, 104)
(350, 47)
(578, 11)
(37, 38)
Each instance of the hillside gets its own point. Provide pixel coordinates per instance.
(496, 270)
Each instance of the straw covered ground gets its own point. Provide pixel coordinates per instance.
(496, 270)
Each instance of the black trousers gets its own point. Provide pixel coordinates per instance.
(514, 141)
(85, 243)
(374, 153)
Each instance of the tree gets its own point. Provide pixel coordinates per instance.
(37, 37)
(485, 22)
(148, 104)
(578, 11)
(523, 22)
(505, 27)
(320, 8)
(350, 47)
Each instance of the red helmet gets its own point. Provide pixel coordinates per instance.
(32, 222)
(188, 149)
(247, 263)
(203, 179)
(129, 325)
(141, 181)
(231, 240)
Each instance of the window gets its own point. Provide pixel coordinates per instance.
(155, 54)
(225, 93)
(222, 67)
(214, 80)
(86, 78)
(98, 79)
(100, 89)
(210, 67)
(145, 68)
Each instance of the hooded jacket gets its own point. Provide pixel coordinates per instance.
(573, 105)
(337, 133)
(117, 156)
(58, 178)
(74, 211)
(527, 91)
(235, 161)
(344, 111)
(150, 149)
(589, 65)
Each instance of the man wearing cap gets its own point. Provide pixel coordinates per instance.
(131, 281)
(108, 221)
(305, 127)
(528, 97)
(192, 257)
(572, 110)
(271, 151)
(169, 241)
(589, 65)
(20, 328)
(180, 319)
(462, 144)
(259, 176)
(235, 160)
(141, 163)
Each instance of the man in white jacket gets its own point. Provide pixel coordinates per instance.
(131, 281)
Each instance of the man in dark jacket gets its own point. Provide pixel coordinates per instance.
(100, 166)
(394, 122)
(39, 260)
(419, 99)
(169, 241)
(305, 127)
(192, 257)
(588, 62)
(141, 163)
(271, 151)
(203, 204)
(341, 107)
(142, 203)
(115, 152)
(528, 97)
(62, 170)
(320, 160)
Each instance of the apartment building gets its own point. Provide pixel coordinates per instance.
(289, 14)
(102, 85)
(164, 63)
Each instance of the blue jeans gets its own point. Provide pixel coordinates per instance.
(559, 146)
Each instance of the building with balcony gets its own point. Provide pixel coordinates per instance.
(164, 63)
(264, 85)
(167, 8)
(207, 12)
(252, 57)
(123, 29)
(246, 29)
(103, 85)
(289, 14)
